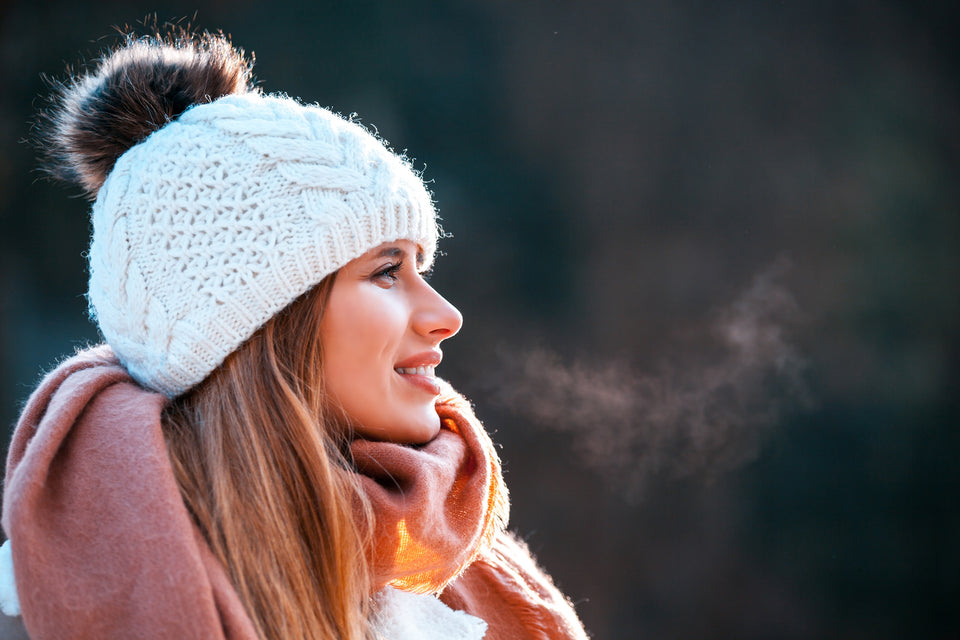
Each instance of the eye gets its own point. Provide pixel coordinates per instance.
(388, 274)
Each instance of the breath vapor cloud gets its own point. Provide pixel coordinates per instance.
(688, 418)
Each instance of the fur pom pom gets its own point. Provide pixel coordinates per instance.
(128, 94)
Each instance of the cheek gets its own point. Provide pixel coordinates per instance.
(360, 333)
(364, 333)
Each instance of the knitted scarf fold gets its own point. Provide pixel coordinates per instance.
(104, 547)
(436, 506)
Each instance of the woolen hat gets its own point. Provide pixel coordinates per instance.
(228, 212)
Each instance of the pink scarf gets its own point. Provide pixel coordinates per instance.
(103, 546)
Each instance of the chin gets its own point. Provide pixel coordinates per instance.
(421, 426)
(422, 432)
(412, 426)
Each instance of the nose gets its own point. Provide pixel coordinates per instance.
(435, 317)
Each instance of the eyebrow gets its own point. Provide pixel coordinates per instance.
(393, 252)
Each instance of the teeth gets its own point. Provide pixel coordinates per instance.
(416, 371)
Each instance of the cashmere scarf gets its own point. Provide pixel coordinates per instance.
(104, 547)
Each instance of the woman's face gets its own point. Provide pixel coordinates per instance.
(381, 332)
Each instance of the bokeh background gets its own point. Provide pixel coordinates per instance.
(707, 254)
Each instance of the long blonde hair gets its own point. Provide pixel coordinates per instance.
(260, 461)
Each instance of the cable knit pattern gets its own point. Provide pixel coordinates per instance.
(220, 219)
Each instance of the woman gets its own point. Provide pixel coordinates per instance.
(261, 449)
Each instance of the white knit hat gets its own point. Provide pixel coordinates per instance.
(223, 217)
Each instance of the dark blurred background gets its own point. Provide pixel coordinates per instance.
(707, 254)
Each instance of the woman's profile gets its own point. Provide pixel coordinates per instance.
(261, 448)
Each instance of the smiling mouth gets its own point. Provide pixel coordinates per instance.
(416, 371)
(422, 378)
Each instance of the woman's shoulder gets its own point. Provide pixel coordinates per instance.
(518, 599)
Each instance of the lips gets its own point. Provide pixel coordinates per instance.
(418, 370)
(424, 359)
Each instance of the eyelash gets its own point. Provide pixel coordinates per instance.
(390, 271)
